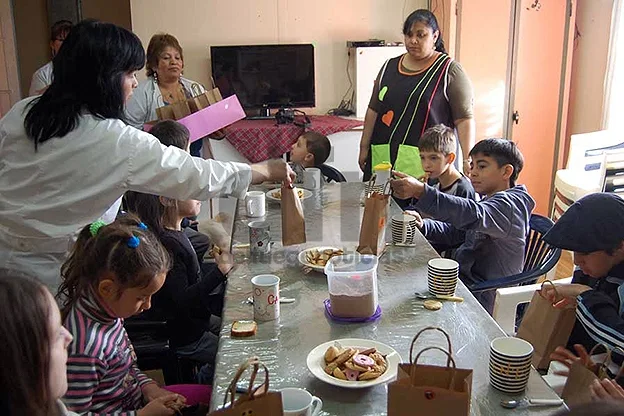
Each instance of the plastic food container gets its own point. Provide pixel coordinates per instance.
(352, 284)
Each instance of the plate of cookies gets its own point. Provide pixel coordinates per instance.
(317, 257)
(276, 194)
(354, 363)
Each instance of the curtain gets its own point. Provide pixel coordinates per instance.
(613, 107)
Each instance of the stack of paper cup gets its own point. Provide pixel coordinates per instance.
(442, 276)
(510, 364)
(403, 229)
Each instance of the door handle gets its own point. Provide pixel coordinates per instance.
(515, 116)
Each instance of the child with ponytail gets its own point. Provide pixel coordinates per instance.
(111, 274)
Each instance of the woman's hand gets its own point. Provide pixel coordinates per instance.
(218, 135)
(419, 220)
(163, 405)
(362, 158)
(606, 390)
(564, 295)
(567, 358)
(405, 186)
(274, 170)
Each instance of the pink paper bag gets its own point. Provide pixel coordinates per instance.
(212, 118)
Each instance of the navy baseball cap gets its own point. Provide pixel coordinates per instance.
(593, 223)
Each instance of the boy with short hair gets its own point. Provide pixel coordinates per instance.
(311, 149)
(491, 232)
(593, 228)
(437, 153)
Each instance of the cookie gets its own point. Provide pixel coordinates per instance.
(432, 305)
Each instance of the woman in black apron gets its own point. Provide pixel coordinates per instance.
(413, 92)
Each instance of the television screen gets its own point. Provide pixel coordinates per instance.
(266, 76)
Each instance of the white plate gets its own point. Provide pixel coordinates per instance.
(271, 194)
(304, 262)
(316, 363)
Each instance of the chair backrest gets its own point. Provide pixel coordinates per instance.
(538, 252)
(331, 174)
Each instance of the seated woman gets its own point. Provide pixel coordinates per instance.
(164, 84)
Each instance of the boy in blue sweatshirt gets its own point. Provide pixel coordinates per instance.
(490, 233)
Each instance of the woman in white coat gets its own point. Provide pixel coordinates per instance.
(164, 84)
(66, 156)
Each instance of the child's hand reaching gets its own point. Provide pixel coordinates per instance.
(419, 220)
(163, 406)
(567, 358)
(405, 186)
(564, 295)
(224, 260)
(606, 390)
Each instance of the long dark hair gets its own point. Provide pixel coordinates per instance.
(110, 250)
(25, 347)
(429, 19)
(87, 76)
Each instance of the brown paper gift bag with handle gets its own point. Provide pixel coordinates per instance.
(373, 228)
(545, 326)
(257, 401)
(430, 390)
(201, 100)
(582, 374)
(293, 223)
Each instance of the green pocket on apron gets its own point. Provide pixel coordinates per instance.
(380, 153)
(408, 161)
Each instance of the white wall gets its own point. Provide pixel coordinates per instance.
(327, 24)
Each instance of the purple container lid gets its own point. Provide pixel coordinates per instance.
(371, 318)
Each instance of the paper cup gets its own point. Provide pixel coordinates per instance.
(266, 297)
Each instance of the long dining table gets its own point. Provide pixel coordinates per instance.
(333, 216)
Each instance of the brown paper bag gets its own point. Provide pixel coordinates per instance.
(258, 400)
(373, 229)
(576, 390)
(430, 390)
(165, 113)
(545, 327)
(293, 223)
(201, 100)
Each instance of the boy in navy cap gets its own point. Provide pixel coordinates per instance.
(593, 228)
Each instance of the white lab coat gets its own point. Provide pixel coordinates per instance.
(146, 98)
(42, 78)
(48, 195)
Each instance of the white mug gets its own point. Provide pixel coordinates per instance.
(312, 178)
(255, 204)
(266, 297)
(299, 402)
(259, 237)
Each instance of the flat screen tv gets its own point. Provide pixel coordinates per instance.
(266, 76)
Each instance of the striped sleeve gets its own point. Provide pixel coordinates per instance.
(140, 377)
(599, 315)
(83, 378)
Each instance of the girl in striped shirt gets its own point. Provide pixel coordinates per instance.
(111, 274)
